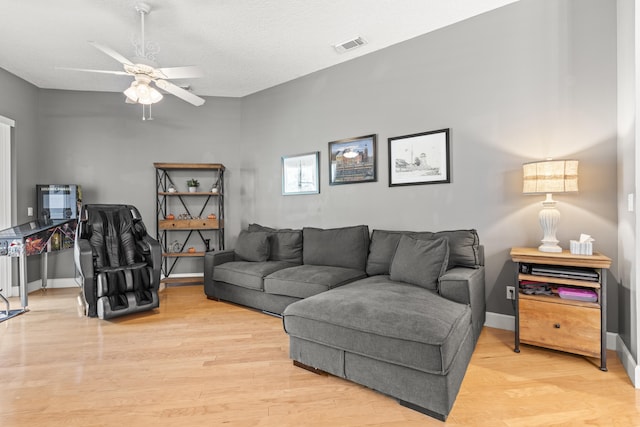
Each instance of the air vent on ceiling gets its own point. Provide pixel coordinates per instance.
(350, 44)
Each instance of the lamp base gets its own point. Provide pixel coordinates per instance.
(549, 247)
(549, 218)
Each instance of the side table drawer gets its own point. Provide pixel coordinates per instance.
(559, 326)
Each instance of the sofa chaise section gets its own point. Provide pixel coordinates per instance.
(409, 329)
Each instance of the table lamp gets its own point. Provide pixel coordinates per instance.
(548, 177)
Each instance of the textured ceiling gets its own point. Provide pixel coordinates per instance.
(244, 46)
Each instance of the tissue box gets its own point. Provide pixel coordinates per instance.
(578, 248)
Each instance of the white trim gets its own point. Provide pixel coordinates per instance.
(176, 275)
(7, 121)
(36, 285)
(5, 199)
(500, 321)
(629, 363)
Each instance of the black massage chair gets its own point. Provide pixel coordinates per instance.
(119, 263)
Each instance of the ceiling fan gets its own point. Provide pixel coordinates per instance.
(145, 73)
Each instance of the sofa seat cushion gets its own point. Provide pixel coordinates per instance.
(390, 321)
(303, 281)
(247, 274)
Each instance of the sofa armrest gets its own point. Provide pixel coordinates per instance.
(466, 286)
(211, 259)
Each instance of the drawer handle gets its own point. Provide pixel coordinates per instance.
(556, 325)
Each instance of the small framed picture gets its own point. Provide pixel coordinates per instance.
(353, 160)
(300, 174)
(420, 158)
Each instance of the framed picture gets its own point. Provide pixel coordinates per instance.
(421, 158)
(300, 174)
(353, 160)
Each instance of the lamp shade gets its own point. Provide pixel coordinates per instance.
(550, 176)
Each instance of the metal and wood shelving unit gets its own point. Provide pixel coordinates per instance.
(194, 221)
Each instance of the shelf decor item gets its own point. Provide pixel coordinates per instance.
(215, 189)
(193, 185)
(420, 158)
(353, 160)
(548, 177)
(175, 247)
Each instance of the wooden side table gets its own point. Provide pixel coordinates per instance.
(549, 321)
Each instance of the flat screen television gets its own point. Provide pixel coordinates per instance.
(58, 201)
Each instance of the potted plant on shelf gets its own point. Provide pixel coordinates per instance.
(193, 185)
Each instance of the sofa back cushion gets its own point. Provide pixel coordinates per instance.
(464, 248)
(253, 246)
(346, 247)
(285, 244)
(420, 262)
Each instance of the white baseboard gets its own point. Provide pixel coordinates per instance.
(629, 363)
(500, 321)
(67, 282)
(70, 282)
(508, 322)
(174, 275)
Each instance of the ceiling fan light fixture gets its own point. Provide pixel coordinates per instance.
(142, 93)
(147, 95)
(131, 93)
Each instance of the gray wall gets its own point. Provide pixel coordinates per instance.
(525, 82)
(19, 102)
(101, 143)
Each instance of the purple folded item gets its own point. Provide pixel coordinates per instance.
(578, 294)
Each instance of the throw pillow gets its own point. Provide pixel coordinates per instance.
(383, 246)
(420, 262)
(286, 244)
(253, 246)
(464, 246)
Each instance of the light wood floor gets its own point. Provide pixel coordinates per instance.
(196, 362)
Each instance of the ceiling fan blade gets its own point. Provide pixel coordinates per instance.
(180, 93)
(191, 72)
(112, 53)
(119, 73)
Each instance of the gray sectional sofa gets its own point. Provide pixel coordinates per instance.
(399, 312)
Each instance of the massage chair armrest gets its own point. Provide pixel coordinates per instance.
(83, 257)
(152, 252)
